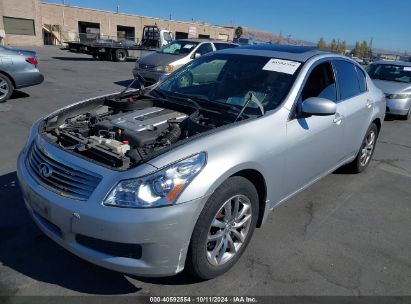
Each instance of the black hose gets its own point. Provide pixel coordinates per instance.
(172, 136)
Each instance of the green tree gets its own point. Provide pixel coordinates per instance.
(333, 45)
(238, 32)
(364, 51)
(357, 50)
(322, 45)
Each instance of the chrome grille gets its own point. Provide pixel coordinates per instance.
(59, 177)
(145, 66)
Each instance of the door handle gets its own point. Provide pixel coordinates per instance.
(369, 103)
(338, 118)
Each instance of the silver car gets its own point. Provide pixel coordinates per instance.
(394, 79)
(180, 174)
(157, 65)
(18, 69)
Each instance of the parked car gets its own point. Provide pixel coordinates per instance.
(18, 69)
(178, 175)
(394, 79)
(156, 65)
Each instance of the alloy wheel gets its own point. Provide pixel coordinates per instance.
(4, 88)
(368, 148)
(228, 230)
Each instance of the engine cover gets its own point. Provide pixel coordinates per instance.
(147, 120)
(142, 127)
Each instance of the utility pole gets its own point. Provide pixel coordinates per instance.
(370, 48)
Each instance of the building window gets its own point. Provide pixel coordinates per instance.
(19, 26)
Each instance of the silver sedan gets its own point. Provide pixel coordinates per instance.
(178, 175)
(18, 69)
(394, 79)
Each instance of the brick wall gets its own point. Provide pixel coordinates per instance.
(67, 17)
(28, 9)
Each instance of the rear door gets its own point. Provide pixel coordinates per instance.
(314, 142)
(354, 103)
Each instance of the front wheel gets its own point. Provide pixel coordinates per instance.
(408, 115)
(366, 152)
(224, 228)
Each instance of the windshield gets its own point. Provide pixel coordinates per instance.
(229, 79)
(179, 48)
(167, 36)
(390, 72)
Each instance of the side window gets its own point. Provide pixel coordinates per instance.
(347, 79)
(221, 46)
(320, 83)
(204, 49)
(362, 80)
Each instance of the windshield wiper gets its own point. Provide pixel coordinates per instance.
(250, 98)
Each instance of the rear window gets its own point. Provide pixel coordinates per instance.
(347, 79)
(362, 79)
(221, 46)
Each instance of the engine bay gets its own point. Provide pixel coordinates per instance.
(124, 132)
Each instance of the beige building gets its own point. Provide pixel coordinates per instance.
(34, 23)
(20, 22)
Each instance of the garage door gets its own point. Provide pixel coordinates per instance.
(19, 26)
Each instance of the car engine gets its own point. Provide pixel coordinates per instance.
(123, 133)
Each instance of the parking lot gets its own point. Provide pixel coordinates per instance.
(345, 235)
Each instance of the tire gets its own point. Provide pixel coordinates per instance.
(407, 116)
(201, 262)
(6, 88)
(120, 55)
(361, 162)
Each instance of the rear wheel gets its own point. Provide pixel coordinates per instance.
(120, 55)
(366, 151)
(223, 229)
(6, 88)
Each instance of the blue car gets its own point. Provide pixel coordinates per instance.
(18, 69)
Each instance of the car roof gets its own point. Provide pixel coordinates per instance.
(401, 63)
(290, 52)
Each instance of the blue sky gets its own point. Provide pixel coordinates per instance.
(388, 22)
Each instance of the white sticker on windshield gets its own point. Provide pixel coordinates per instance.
(188, 46)
(407, 69)
(282, 66)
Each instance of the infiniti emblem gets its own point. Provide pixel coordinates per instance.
(45, 170)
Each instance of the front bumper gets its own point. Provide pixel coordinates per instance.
(162, 234)
(398, 106)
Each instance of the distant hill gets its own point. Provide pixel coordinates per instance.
(274, 38)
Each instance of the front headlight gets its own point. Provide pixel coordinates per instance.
(398, 96)
(164, 68)
(161, 188)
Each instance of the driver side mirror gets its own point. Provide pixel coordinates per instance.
(318, 106)
(196, 56)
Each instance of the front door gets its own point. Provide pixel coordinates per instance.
(314, 143)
